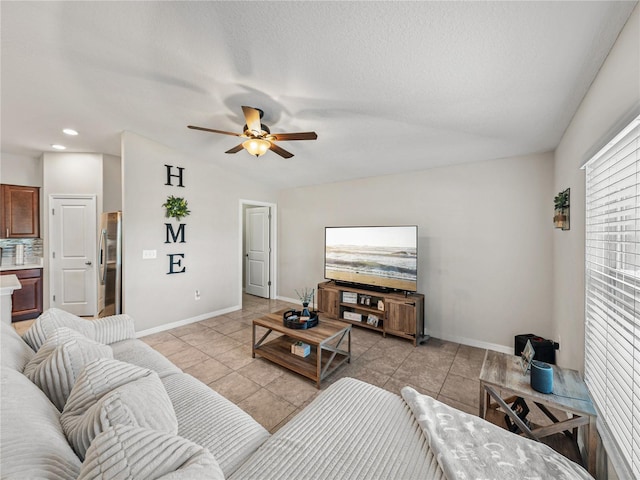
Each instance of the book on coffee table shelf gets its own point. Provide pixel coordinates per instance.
(301, 349)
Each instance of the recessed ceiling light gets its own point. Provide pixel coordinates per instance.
(58, 147)
(70, 131)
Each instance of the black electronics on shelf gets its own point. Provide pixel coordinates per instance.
(545, 350)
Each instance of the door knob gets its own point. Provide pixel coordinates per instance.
(88, 263)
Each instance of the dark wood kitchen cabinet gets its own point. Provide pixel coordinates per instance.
(26, 302)
(20, 212)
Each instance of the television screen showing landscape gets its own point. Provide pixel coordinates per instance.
(379, 256)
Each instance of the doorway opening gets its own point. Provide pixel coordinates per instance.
(258, 234)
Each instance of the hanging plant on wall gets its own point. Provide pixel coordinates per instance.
(561, 204)
(561, 201)
(176, 207)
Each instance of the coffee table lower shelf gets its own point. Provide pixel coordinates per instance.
(314, 367)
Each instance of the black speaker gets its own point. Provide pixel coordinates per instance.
(545, 349)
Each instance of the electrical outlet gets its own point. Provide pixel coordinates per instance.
(197, 296)
(149, 254)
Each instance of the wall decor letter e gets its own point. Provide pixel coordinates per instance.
(175, 262)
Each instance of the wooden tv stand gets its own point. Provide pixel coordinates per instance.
(398, 314)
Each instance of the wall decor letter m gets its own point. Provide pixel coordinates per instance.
(172, 236)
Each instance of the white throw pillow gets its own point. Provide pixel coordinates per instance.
(109, 393)
(60, 361)
(125, 452)
(104, 330)
(49, 321)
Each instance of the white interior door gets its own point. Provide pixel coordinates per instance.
(72, 260)
(257, 233)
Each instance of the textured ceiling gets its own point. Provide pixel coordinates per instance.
(388, 86)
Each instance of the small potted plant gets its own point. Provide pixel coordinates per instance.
(305, 297)
(176, 207)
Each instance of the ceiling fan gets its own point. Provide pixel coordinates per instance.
(259, 137)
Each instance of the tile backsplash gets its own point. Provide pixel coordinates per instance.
(32, 249)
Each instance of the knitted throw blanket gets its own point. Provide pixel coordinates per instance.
(470, 448)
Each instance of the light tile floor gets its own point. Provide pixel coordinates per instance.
(218, 352)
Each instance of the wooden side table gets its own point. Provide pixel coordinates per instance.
(502, 375)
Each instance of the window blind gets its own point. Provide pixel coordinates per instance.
(612, 297)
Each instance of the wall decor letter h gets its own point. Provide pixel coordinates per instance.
(176, 175)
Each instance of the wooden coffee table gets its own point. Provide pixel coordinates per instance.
(502, 375)
(325, 339)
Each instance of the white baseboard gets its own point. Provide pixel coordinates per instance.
(186, 321)
(290, 300)
(296, 301)
(450, 338)
(477, 343)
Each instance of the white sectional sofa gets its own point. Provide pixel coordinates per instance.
(112, 419)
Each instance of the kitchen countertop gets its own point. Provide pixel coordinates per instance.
(33, 263)
(9, 283)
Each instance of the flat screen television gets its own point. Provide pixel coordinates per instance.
(379, 257)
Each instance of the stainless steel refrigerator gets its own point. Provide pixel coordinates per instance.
(110, 259)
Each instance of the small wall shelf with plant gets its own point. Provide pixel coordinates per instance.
(561, 216)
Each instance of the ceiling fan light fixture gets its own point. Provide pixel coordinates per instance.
(256, 146)
(258, 136)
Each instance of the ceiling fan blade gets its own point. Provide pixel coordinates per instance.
(214, 131)
(235, 149)
(295, 136)
(280, 151)
(252, 117)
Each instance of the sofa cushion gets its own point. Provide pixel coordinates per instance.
(108, 393)
(15, 352)
(353, 430)
(139, 353)
(133, 452)
(32, 442)
(208, 419)
(60, 361)
(103, 330)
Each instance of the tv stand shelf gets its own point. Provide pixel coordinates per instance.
(397, 314)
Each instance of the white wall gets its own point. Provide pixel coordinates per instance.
(20, 170)
(612, 96)
(213, 244)
(485, 241)
(73, 173)
(111, 183)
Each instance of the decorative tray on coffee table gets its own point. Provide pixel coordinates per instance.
(292, 319)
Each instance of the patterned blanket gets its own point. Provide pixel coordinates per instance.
(470, 448)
